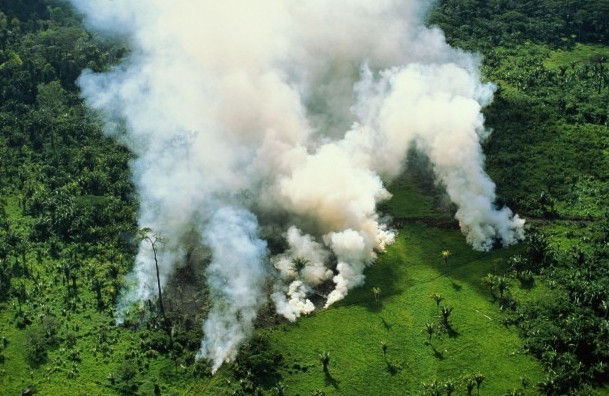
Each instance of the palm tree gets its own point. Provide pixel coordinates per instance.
(146, 234)
(470, 383)
(324, 358)
(437, 298)
(445, 312)
(479, 378)
(433, 388)
(376, 291)
(538, 249)
(299, 263)
(430, 329)
(384, 346)
(502, 285)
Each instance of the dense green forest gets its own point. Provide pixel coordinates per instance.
(68, 227)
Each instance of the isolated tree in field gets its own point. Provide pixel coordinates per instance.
(445, 314)
(470, 384)
(146, 234)
(324, 358)
(479, 378)
(377, 292)
(299, 263)
(429, 329)
(437, 298)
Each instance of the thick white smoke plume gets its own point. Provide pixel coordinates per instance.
(244, 114)
(235, 277)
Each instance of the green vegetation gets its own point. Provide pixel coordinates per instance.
(525, 320)
(336, 351)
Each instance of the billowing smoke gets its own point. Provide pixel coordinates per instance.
(288, 115)
(235, 277)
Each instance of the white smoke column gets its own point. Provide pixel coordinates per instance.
(235, 278)
(301, 283)
(438, 108)
(348, 247)
(293, 303)
(303, 246)
(242, 111)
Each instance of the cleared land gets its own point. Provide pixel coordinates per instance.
(408, 274)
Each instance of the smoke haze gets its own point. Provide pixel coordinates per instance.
(287, 114)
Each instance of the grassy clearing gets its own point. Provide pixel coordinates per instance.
(408, 273)
(409, 200)
(579, 53)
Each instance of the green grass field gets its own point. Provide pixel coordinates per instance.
(409, 272)
(580, 53)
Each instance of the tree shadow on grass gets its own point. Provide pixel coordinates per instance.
(392, 368)
(330, 380)
(436, 352)
(375, 306)
(381, 275)
(386, 324)
(456, 286)
(452, 333)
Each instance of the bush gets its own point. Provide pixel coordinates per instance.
(258, 362)
(35, 346)
(124, 378)
(156, 340)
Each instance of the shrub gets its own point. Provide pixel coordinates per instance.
(124, 378)
(258, 361)
(35, 346)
